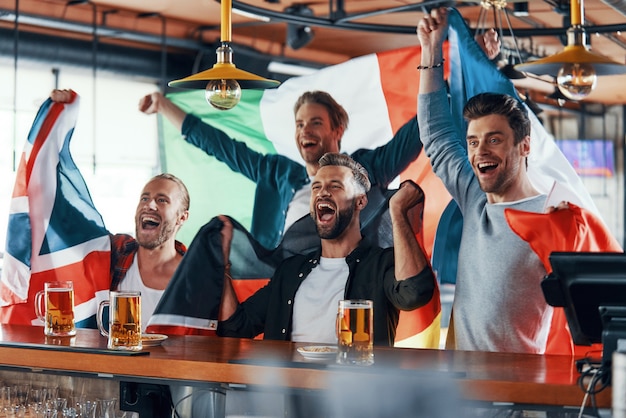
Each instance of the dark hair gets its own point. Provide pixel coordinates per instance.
(485, 104)
(337, 114)
(185, 200)
(361, 177)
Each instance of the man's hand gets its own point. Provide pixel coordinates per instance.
(408, 196)
(406, 208)
(150, 103)
(489, 42)
(157, 103)
(432, 29)
(61, 96)
(562, 205)
(408, 202)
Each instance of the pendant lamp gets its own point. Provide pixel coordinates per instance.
(576, 68)
(223, 82)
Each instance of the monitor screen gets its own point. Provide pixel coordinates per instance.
(583, 283)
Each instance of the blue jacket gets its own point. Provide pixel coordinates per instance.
(278, 178)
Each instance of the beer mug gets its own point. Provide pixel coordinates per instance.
(124, 330)
(58, 314)
(355, 332)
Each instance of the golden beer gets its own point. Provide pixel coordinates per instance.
(125, 327)
(124, 331)
(355, 332)
(59, 309)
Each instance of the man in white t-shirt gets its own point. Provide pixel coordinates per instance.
(148, 261)
(300, 301)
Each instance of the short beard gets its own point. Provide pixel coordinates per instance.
(344, 218)
(164, 234)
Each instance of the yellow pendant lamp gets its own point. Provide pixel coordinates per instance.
(223, 82)
(576, 68)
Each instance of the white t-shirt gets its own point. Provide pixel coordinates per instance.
(299, 205)
(149, 297)
(316, 302)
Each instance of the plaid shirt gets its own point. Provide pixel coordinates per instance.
(123, 250)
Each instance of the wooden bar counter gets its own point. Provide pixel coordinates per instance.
(491, 377)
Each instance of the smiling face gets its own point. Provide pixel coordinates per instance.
(159, 214)
(314, 134)
(499, 163)
(334, 198)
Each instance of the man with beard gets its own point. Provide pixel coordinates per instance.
(300, 301)
(148, 261)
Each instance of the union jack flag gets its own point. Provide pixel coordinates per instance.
(54, 232)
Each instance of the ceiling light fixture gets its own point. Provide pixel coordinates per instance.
(576, 68)
(223, 82)
(500, 13)
(299, 36)
(558, 96)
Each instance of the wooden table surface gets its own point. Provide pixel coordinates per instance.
(492, 377)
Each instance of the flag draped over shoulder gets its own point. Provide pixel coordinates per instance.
(54, 232)
(572, 229)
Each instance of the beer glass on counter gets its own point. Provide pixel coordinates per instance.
(124, 328)
(355, 332)
(57, 312)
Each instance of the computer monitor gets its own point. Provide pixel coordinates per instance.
(591, 287)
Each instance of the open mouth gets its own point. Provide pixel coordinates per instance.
(308, 144)
(325, 212)
(486, 167)
(150, 222)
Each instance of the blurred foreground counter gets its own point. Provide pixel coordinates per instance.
(223, 365)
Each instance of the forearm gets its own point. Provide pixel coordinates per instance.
(431, 32)
(229, 297)
(431, 74)
(409, 258)
(174, 114)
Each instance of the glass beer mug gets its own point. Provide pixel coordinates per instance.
(58, 313)
(355, 332)
(124, 328)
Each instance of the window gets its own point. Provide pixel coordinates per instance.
(114, 145)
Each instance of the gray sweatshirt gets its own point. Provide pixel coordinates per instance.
(498, 303)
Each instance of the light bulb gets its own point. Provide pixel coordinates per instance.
(223, 94)
(576, 80)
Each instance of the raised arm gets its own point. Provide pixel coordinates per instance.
(432, 31)
(409, 257)
(157, 103)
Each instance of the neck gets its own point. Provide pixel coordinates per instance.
(343, 245)
(311, 169)
(156, 266)
(517, 192)
(158, 255)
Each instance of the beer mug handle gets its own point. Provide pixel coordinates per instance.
(99, 320)
(38, 300)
